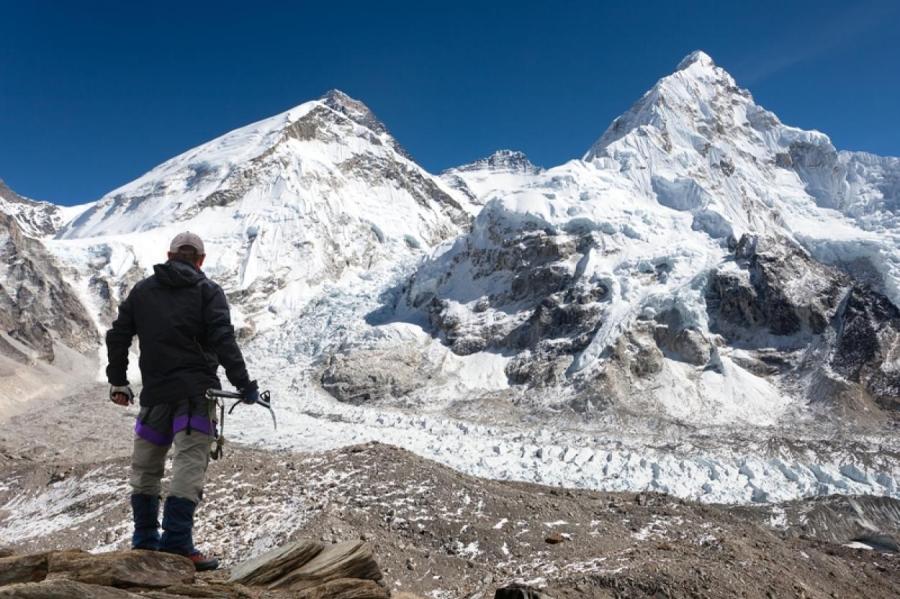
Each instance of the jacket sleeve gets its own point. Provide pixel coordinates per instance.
(118, 341)
(220, 335)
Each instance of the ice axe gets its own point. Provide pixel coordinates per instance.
(219, 396)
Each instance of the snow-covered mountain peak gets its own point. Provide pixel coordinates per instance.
(501, 160)
(35, 218)
(285, 205)
(691, 99)
(318, 135)
(353, 109)
(494, 175)
(637, 258)
(698, 57)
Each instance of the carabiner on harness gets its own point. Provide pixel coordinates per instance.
(217, 447)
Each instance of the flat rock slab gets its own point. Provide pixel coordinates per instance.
(208, 591)
(23, 568)
(148, 569)
(272, 565)
(63, 589)
(352, 559)
(345, 588)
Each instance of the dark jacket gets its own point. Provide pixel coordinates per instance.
(184, 329)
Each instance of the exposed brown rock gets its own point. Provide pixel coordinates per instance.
(304, 569)
(554, 538)
(346, 588)
(206, 591)
(63, 589)
(353, 559)
(23, 568)
(277, 563)
(150, 569)
(37, 305)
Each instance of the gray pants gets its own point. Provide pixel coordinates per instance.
(190, 428)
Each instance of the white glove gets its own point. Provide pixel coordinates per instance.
(124, 390)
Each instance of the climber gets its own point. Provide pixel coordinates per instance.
(184, 331)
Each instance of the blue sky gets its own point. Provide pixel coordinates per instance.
(92, 94)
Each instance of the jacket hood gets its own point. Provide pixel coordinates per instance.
(178, 274)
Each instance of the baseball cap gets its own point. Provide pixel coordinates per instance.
(187, 238)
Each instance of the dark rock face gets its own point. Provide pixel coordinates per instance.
(777, 287)
(37, 305)
(556, 319)
(781, 291)
(542, 310)
(867, 350)
(502, 160)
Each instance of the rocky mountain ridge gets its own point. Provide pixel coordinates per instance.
(35, 218)
(478, 180)
(45, 329)
(286, 206)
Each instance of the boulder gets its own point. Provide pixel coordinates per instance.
(368, 375)
(23, 568)
(63, 589)
(518, 591)
(277, 563)
(149, 569)
(554, 538)
(352, 559)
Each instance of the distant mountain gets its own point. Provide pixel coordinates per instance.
(284, 205)
(45, 329)
(703, 263)
(501, 171)
(35, 218)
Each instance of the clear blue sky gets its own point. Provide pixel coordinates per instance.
(92, 94)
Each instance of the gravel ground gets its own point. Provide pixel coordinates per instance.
(439, 533)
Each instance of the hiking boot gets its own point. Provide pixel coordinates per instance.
(202, 563)
(145, 509)
(177, 524)
(177, 537)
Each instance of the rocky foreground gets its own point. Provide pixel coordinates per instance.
(437, 533)
(307, 570)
